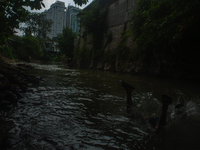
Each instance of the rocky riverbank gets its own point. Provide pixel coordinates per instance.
(14, 81)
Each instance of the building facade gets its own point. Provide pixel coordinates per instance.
(72, 19)
(57, 13)
(62, 17)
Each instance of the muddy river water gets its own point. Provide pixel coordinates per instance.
(76, 109)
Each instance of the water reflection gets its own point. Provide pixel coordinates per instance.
(85, 109)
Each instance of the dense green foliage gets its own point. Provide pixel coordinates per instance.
(80, 2)
(167, 31)
(165, 22)
(12, 12)
(23, 48)
(95, 27)
(94, 20)
(27, 47)
(37, 25)
(66, 42)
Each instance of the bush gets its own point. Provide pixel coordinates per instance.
(22, 48)
(66, 42)
(167, 31)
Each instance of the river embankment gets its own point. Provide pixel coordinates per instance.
(14, 81)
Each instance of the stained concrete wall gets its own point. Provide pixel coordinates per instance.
(119, 16)
(118, 21)
(119, 12)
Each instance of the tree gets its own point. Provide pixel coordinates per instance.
(66, 42)
(168, 32)
(94, 23)
(37, 25)
(12, 12)
(94, 20)
(164, 22)
(80, 2)
(26, 47)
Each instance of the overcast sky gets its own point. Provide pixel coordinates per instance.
(48, 3)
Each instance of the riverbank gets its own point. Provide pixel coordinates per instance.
(14, 81)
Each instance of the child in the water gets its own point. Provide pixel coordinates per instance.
(155, 122)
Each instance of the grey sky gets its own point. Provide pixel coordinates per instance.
(48, 3)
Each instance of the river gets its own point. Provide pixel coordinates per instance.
(77, 109)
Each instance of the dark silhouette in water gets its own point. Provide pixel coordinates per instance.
(155, 122)
(129, 89)
(166, 101)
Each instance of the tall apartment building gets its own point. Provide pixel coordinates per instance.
(62, 17)
(57, 13)
(72, 19)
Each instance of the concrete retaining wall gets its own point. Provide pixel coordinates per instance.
(119, 12)
(118, 20)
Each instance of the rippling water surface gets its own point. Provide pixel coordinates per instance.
(75, 109)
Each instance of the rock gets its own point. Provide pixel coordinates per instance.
(16, 92)
(1, 77)
(38, 77)
(22, 102)
(2, 86)
(5, 105)
(23, 88)
(12, 142)
(11, 97)
(14, 80)
(34, 81)
(26, 66)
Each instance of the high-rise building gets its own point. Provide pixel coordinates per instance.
(57, 13)
(72, 19)
(62, 17)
